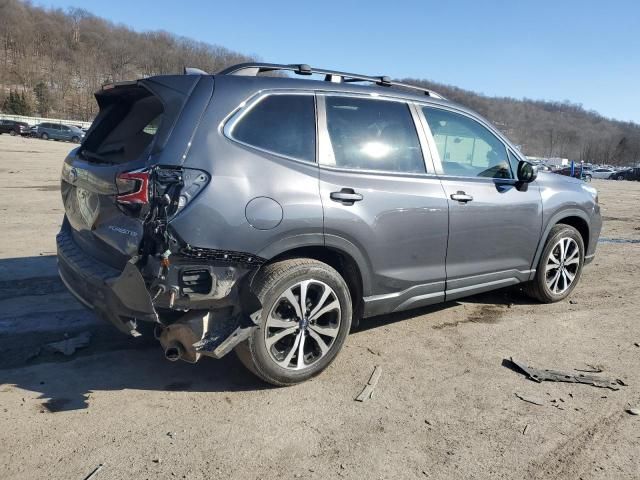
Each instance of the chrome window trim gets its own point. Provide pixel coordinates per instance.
(436, 154)
(229, 123)
(324, 143)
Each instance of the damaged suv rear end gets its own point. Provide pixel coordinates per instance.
(117, 251)
(266, 214)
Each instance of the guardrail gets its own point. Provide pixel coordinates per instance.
(35, 120)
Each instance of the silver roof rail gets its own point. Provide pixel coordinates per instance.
(253, 69)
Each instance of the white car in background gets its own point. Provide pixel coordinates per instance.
(602, 172)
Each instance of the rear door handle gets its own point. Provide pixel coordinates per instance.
(347, 196)
(461, 196)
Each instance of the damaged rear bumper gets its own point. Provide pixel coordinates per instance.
(118, 297)
(192, 320)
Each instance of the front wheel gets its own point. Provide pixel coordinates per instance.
(559, 267)
(12, 133)
(306, 317)
(44, 136)
(75, 140)
(620, 177)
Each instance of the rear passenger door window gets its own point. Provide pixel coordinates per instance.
(466, 147)
(371, 134)
(283, 124)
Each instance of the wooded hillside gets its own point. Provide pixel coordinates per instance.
(57, 59)
(51, 62)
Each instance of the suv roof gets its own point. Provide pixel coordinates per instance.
(334, 80)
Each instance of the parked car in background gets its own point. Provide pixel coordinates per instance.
(578, 172)
(13, 127)
(57, 131)
(602, 172)
(627, 174)
(542, 166)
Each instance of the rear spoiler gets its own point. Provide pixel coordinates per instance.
(109, 86)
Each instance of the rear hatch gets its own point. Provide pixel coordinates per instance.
(106, 182)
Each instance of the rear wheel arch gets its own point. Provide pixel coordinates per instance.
(339, 260)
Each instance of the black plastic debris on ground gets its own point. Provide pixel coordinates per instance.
(540, 375)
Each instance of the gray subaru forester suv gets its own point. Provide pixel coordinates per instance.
(268, 214)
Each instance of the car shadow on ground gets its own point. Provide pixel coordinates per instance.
(65, 386)
(116, 362)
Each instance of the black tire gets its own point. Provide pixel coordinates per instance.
(620, 177)
(13, 133)
(269, 284)
(538, 288)
(44, 136)
(75, 139)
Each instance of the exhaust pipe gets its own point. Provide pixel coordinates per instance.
(178, 338)
(174, 352)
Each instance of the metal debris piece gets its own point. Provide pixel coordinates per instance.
(95, 470)
(68, 346)
(367, 391)
(529, 399)
(524, 430)
(633, 411)
(591, 369)
(539, 375)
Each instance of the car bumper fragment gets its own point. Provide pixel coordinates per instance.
(118, 297)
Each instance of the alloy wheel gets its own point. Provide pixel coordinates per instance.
(562, 265)
(302, 324)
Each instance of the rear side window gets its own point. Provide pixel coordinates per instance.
(280, 124)
(370, 134)
(467, 148)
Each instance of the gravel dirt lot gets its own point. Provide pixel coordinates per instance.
(445, 406)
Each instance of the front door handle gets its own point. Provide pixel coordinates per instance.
(347, 196)
(461, 196)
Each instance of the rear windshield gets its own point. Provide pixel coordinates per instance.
(125, 127)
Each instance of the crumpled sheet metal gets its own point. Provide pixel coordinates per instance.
(539, 375)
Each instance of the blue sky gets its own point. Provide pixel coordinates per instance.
(586, 51)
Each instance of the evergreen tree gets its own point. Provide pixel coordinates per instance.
(43, 99)
(16, 104)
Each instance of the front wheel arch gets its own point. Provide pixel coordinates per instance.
(578, 219)
(542, 287)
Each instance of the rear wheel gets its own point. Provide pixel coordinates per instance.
(620, 177)
(44, 136)
(12, 133)
(306, 317)
(559, 267)
(75, 139)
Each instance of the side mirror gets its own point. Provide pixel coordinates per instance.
(527, 172)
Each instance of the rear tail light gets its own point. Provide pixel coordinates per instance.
(133, 187)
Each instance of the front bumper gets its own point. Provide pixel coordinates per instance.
(595, 228)
(118, 297)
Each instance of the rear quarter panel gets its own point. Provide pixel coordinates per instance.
(239, 174)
